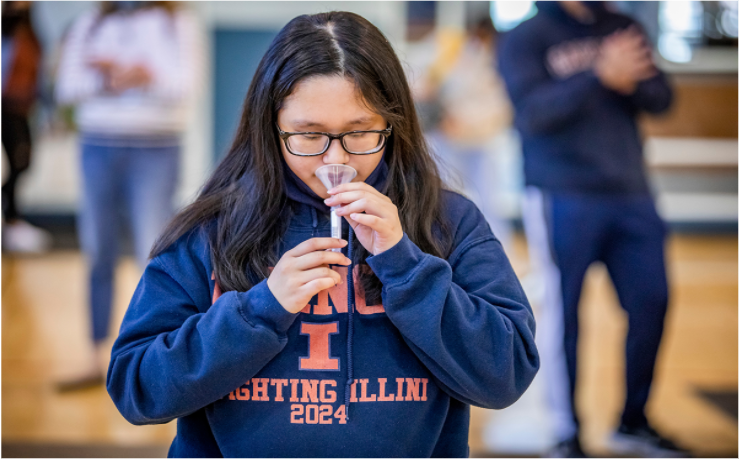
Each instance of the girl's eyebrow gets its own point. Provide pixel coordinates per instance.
(304, 124)
(360, 121)
(307, 124)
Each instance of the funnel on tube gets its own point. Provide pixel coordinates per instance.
(332, 176)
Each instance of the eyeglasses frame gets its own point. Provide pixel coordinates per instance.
(284, 135)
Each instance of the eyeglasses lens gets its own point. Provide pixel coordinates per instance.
(363, 142)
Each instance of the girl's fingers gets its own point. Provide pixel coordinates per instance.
(343, 197)
(317, 285)
(315, 244)
(351, 222)
(307, 276)
(375, 223)
(356, 195)
(365, 205)
(382, 210)
(318, 258)
(354, 187)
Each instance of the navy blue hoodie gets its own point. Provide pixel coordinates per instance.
(577, 135)
(246, 378)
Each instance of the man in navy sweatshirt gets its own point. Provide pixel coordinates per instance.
(578, 76)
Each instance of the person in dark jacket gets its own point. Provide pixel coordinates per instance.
(578, 76)
(264, 344)
(21, 61)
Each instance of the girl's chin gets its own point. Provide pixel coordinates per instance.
(321, 192)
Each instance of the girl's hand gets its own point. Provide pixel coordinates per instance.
(303, 272)
(371, 214)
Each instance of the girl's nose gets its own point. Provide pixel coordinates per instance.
(336, 153)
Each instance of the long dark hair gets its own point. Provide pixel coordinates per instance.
(246, 193)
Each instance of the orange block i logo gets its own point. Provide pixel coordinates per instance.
(319, 346)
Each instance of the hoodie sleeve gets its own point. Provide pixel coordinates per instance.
(653, 95)
(543, 104)
(176, 354)
(466, 319)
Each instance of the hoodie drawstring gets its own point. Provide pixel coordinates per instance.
(350, 300)
(350, 327)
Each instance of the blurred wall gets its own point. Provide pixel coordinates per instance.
(692, 149)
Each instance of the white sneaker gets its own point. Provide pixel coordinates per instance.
(644, 442)
(22, 237)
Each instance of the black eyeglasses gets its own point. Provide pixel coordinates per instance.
(311, 144)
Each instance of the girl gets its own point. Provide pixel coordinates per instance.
(246, 329)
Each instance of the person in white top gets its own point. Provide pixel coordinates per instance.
(131, 69)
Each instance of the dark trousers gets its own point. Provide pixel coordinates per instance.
(625, 233)
(16, 138)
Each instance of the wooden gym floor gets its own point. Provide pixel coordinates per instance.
(44, 324)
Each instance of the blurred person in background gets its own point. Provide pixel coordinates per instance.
(578, 75)
(130, 68)
(21, 58)
(474, 114)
